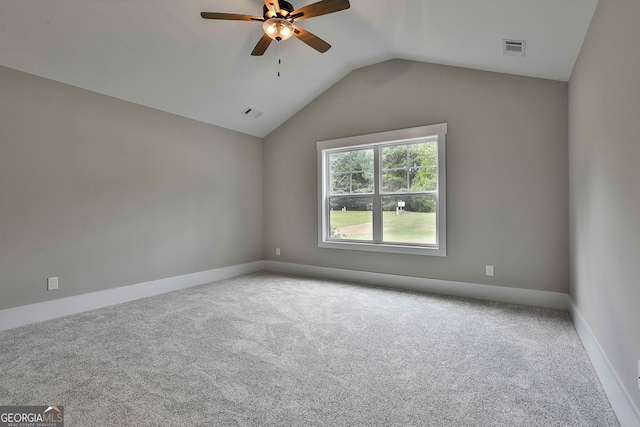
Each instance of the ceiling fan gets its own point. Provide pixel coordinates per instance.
(278, 20)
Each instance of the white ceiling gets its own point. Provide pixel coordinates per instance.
(162, 54)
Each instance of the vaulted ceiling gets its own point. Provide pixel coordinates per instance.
(162, 54)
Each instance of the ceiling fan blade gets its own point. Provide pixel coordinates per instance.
(230, 16)
(262, 45)
(314, 41)
(273, 5)
(320, 8)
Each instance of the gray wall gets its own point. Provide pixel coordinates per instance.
(507, 177)
(604, 141)
(105, 193)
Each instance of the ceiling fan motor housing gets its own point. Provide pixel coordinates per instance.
(267, 13)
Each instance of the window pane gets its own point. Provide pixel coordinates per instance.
(424, 179)
(423, 154)
(351, 172)
(394, 169)
(340, 162)
(340, 183)
(362, 160)
(409, 219)
(351, 183)
(394, 181)
(410, 167)
(362, 182)
(351, 218)
(394, 157)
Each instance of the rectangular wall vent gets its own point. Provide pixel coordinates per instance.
(251, 112)
(514, 47)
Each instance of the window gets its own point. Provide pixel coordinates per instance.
(384, 192)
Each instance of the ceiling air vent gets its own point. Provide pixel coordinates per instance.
(251, 112)
(514, 47)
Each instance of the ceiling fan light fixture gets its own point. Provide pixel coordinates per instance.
(278, 28)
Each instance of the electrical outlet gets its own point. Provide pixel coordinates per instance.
(52, 283)
(489, 270)
(278, 251)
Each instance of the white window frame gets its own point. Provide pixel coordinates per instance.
(374, 140)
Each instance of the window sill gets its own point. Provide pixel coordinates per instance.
(384, 248)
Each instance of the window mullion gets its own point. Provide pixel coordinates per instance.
(377, 199)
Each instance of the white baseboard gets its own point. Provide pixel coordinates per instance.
(27, 314)
(555, 300)
(621, 402)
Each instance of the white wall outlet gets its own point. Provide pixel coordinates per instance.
(278, 251)
(52, 283)
(489, 270)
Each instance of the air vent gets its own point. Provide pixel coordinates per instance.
(514, 47)
(251, 112)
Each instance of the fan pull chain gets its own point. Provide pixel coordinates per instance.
(278, 47)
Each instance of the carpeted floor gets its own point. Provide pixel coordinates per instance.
(269, 349)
